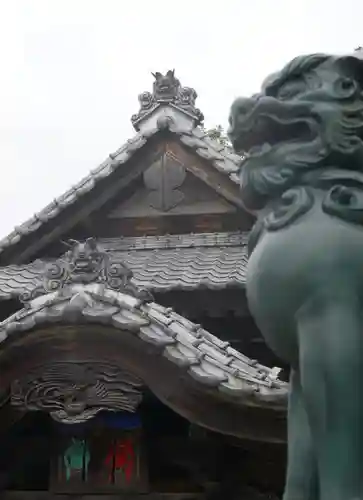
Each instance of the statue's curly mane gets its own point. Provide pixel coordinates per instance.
(336, 115)
(307, 126)
(294, 69)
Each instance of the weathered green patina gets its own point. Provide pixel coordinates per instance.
(303, 178)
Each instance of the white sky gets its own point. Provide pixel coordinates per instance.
(71, 71)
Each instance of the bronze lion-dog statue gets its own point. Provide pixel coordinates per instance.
(302, 177)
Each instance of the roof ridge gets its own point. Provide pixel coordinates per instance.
(157, 268)
(193, 137)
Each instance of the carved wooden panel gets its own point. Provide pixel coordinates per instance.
(163, 180)
(168, 189)
(75, 391)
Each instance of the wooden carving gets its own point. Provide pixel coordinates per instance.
(74, 392)
(163, 180)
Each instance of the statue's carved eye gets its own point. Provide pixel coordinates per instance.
(346, 83)
(345, 86)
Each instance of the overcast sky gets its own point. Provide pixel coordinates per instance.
(71, 71)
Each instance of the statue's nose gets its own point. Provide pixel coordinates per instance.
(240, 108)
(243, 104)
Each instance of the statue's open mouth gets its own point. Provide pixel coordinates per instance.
(164, 89)
(266, 132)
(265, 128)
(82, 266)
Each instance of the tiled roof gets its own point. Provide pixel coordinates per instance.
(193, 137)
(205, 359)
(160, 264)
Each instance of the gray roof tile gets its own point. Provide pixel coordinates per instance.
(194, 138)
(162, 263)
(199, 354)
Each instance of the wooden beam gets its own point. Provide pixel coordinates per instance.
(207, 173)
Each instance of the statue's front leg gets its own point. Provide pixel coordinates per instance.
(331, 369)
(302, 476)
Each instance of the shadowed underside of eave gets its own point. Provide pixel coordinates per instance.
(195, 373)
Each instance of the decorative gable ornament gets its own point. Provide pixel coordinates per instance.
(167, 90)
(84, 286)
(85, 263)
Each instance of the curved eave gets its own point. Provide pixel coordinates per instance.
(199, 362)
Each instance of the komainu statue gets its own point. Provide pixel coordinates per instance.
(302, 177)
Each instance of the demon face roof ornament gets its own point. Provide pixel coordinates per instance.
(167, 91)
(85, 263)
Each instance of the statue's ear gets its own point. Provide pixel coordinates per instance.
(72, 243)
(91, 242)
(170, 73)
(157, 75)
